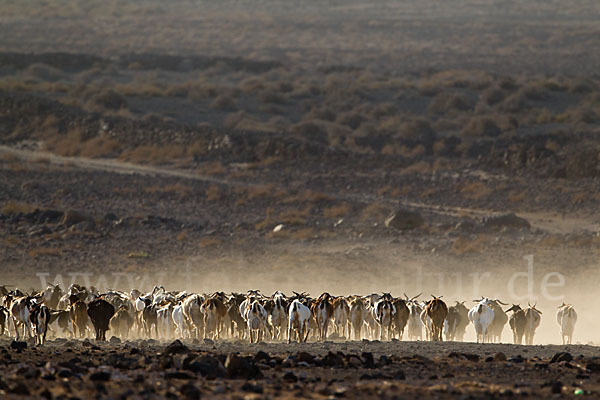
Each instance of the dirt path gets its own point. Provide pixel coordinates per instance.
(546, 221)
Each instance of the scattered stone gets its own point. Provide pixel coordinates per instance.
(18, 345)
(500, 357)
(404, 220)
(190, 391)
(303, 356)
(262, 356)
(290, 377)
(368, 360)
(99, 376)
(50, 216)
(252, 388)
(332, 360)
(114, 340)
(505, 221)
(178, 375)
(209, 341)
(240, 367)
(208, 367)
(593, 367)
(176, 347)
(516, 359)
(561, 356)
(19, 389)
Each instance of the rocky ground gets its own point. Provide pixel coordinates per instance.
(68, 369)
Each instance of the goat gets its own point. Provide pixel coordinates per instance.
(256, 318)
(298, 320)
(566, 318)
(534, 317)
(517, 323)
(437, 311)
(358, 311)
(383, 313)
(40, 318)
(481, 316)
(322, 310)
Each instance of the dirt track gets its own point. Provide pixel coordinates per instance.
(547, 221)
(148, 369)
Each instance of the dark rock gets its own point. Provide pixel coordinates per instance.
(303, 356)
(506, 221)
(110, 218)
(561, 356)
(50, 216)
(290, 377)
(114, 340)
(178, 375)
(471, 357)
(516, 359)
(368, 360)
(64, 373)
(500, 357)
(404, 220)
(73, 366)
(99, 376)
(19, 389)
(121, 362)
(384, 360)
(240, 367)
(332, 360)
(18, 345)
(252, 388)
(261, 356)
(209, 341)
(176, 347)
(208, 367)
(190, 391)
(593, 367)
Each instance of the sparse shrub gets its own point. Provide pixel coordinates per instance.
(12, 207)
(446, 102)
(351, 119)
(99, 147)
(534, 92)
(271, 95)
(492, 96)
(476, 190)
(420, 167)
(514, 103)
(336, 211)
(375, 211)
(213, 193)
(223, 102)
(481, 126)
(279, 123)
(44, 251)
(465, 245)
(416, 129)
(311, 131)
(319, 112)
(43, 72)
(110, 100)
(582, 85)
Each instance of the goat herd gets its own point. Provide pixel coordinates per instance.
(252, 316)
